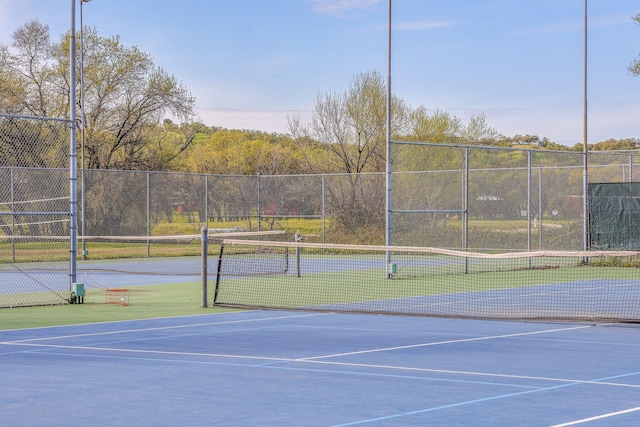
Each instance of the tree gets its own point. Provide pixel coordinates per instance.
(478, 131)
(245, 153)
(635, 65)
(615, 144)
(443, 127)
(437, 127)
(27, 74)
(352, 125)
(126, 95)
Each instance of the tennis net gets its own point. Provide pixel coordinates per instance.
(583, 285)
(35, 270)
(170, 255)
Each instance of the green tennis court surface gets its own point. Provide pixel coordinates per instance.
(152, 301)
(524, 287)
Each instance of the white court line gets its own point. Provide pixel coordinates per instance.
(428, 344)
(469, 373)
(160, 328)
(310, 361)
(599, 417)
(160, 352)
(316, 359)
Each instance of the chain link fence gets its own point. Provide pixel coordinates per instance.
(145, 203)
(487, 198)
(614, 166)
(497, 199)
(480, 198)
(473, 198)
(34, 211)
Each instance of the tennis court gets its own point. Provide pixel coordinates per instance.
(314, 362)
(278, 368)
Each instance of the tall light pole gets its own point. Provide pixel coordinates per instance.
(585, 147)
(388, 222)
(73, 156)
(83, 205)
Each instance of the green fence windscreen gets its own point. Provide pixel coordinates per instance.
(614, 216)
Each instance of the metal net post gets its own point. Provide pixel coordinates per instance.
(205, 249)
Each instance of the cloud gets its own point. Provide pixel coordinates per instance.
(340, 7)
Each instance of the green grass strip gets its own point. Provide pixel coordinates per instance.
(145, 302)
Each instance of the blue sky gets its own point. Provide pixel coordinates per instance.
(250, 63)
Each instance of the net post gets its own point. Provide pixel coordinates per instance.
(205, 249)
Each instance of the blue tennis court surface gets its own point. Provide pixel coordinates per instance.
(268, 368)
(576, 300)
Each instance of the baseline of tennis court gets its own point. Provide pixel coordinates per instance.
(273, 368)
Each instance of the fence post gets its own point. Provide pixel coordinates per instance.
(540, 208)
(465, 207)
(259, 204)
(465, 203)
(206, 201)
(148, 214)
(323, 212)
(13, 217)
(529, 179)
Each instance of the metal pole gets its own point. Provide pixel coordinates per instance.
(529, 182)
(388, 159)
(148, 215)
(298, 239)
(13, 217)
(465, 222)
(323, 212)
(259, 204)
(205, 250)
(540, 210)
(82, 184)
(73, 171)
(529, 179)
(206, 201)
(585, 190)
(465, 201)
